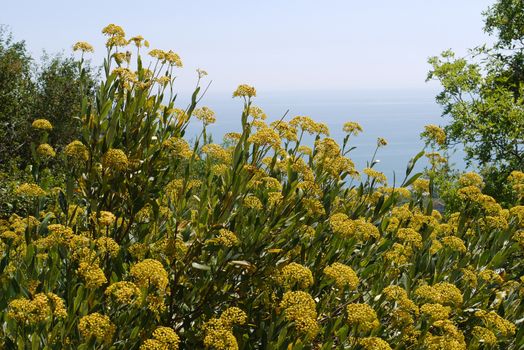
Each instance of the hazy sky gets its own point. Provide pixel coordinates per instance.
(272, 44)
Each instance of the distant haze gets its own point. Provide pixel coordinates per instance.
(275, 45)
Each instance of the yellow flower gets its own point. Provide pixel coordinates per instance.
(374, 343)
(484, 335)
(113, 30)
(442, 293)
(362, 316)
(150, 272)
(233, 316)
(42, 307)
(92, 274)
(253, 202)
(343, 275)
(454, 243)
(266, 136)
(352, 128)
(83, 46)
(123, 292)
(97, 326)
(435, 134)
(436, 311)
(225, 238)
(205, 114)
(172, 58)
(216, 152)
(420, 185)
(381, 142)
(309, 125)
(139, 41)
(42, 124)
(45, 150)
(377, 176)
(30, 190)
(342, 225)
(295, 274)
(107, 245)
(471, 179)
(77, 151)
(104, 218)
(493, 320)
(115, 159)
(299, 307)
(410, 236)
(245, 91)
(163, 338)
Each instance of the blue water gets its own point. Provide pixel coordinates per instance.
(397, 116)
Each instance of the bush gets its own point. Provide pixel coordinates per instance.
(153, 243)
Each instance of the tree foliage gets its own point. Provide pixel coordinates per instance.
(483, 95)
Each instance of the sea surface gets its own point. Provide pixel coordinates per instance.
(399, 116)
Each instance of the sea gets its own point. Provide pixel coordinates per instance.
(399, 116)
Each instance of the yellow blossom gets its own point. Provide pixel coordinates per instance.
(97, 326)
(42, 124)
(363, 316)
(343, 275)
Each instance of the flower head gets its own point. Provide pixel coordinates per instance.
(42, 124)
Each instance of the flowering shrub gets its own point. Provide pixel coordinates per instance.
(263, 243)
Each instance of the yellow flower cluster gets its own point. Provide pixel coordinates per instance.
(77, 151)
(30, 190)
(107, 245)
(352, 128)
(205, 114)
(216, 152)
(410, 237)
(300, 308)
(266, 137)
(45, 150)
(374, 343)
(115, 159)
(150, 272)
(225, 238)
(375, 175)
(342, 225)
(362, 316)
(42, 124)
(435, 134)
(219, 331)
(471, 179)
(285, 130)
(97, 326)
(92, 274)
(306, 124)
(245, 91)
(294, 274)
(435, 311)
(442, 293)
(178, 147)
(492, 320)
(41, 308)
(163, 338)
(253, 202)
(103, 218)
(343, 275)
(83, 46)
(484, 335)
(123, 292)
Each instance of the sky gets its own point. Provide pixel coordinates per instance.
(275, 45)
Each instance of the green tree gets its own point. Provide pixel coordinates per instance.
(483, 95)
(29, 90)
(16, 94)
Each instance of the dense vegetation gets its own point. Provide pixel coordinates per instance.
(118, 233)
(483, 96)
